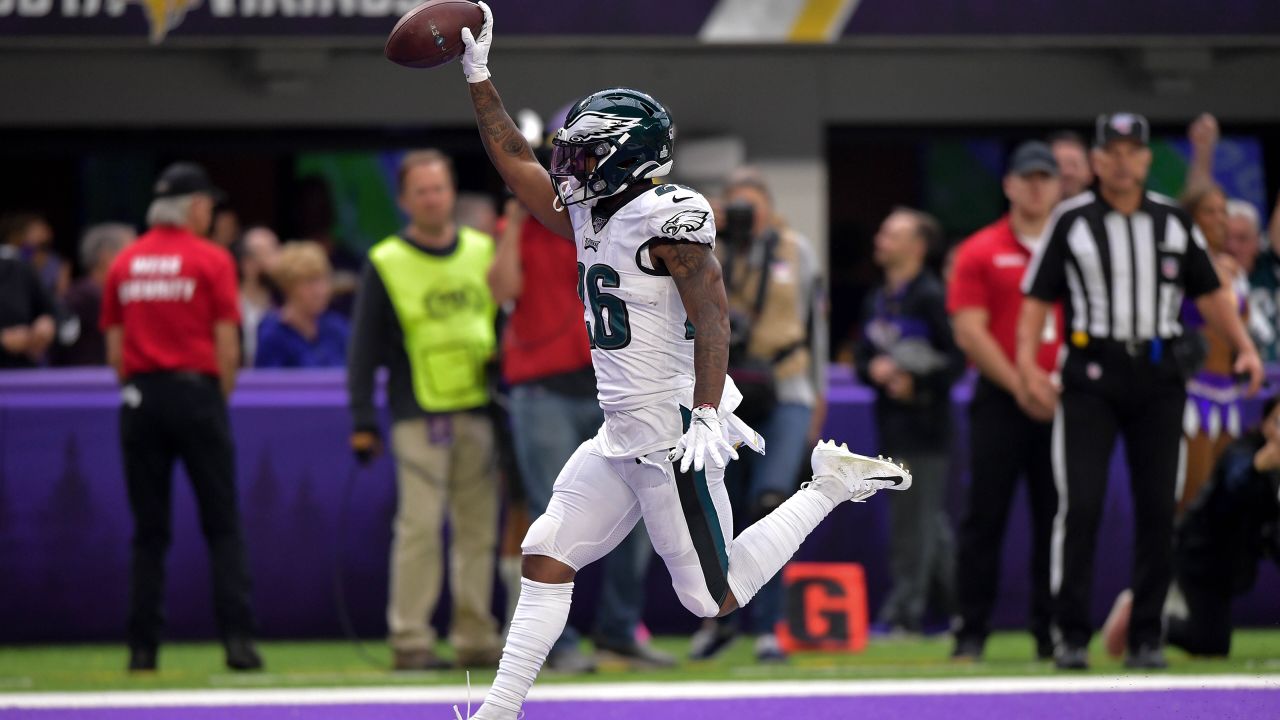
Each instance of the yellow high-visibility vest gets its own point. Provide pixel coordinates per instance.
(447, 314)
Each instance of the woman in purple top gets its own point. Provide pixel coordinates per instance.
(1212, 416)
(302, 333)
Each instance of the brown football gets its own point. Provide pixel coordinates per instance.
(431, 34)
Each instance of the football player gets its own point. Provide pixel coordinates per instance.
(657, 321)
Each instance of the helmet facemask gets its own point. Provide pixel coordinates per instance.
(610, 140)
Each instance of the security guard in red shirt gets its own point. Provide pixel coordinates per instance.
(1005, 441)
(171, 318)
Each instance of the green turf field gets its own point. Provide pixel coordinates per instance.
(331, 664)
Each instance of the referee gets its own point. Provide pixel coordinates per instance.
(171, 316)
(1123, 259)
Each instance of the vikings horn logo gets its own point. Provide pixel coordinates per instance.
(685, 221)
(165, 15)
(592, 125)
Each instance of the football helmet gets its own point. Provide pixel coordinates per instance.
(610, 140)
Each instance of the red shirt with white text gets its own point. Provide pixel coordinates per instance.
(167, 291)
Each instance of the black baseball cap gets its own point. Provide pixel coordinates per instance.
(1033, 157)
(1122, 126)
(185, 178)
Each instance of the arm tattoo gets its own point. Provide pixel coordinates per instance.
(698, 278)
(500, 134)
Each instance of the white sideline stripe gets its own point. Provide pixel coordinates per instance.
(638, 691)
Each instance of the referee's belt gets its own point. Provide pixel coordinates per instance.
(1133, 348)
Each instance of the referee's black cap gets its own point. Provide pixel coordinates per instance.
(186, 178)
(1033, 157)
(1122, 126)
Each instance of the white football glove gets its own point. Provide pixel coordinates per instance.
(475, 59)
(703, 441)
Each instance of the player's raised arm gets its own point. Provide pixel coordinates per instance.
(507, 148)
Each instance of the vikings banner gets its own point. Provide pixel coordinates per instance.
(728, 21)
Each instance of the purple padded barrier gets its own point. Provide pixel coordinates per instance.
(65, 524)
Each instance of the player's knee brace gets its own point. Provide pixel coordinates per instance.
(542, 537)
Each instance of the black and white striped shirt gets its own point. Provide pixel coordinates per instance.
(1126, 276)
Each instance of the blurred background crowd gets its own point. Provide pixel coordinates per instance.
(314, 300)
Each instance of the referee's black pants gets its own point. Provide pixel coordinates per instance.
(1108, 391)
(1004, 444)
(166, 416)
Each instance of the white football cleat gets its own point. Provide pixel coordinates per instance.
(862, 476)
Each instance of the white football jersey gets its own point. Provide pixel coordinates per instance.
(641, 339)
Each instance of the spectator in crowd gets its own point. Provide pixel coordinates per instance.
(774, 288)
(907, 354)
(1244, 234)
(1227, 530)
(171, 319)
(314, 219)
(26, 312)
(303, 332)
(476, 210)
(32, 237)
(1203, 136)
(1124, 373)
(1244, 244)
(547, 364)
(226, 226)
(1264, 287)
(1005, 440)
(260, 252)
(80, 340)
(424, 310)
(1072, 155)
(1212, 416)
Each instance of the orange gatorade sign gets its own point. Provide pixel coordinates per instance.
(826, 607)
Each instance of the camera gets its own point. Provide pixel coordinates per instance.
(740, 219)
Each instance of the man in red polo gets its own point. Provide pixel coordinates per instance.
(1008, 436)
(170, 313)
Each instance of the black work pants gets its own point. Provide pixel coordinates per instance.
(167, 416)
(1206, 628)
(1004, 444)
(1107, 392)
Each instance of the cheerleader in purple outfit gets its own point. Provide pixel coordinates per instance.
(1211, 419)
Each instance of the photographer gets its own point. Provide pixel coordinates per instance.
(1231, 526)
(774, 288)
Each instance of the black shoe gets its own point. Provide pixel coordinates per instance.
(1044, 650)
(1146, 657)
(242, 655)
(968, 649)
(570, 661)
(417, 661)
(711, 640)
(1072, 658)
(142, 659)
(634, 655)
(478, 658)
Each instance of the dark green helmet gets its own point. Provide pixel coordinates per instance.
(627, 134)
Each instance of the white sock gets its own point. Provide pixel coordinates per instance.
(762, 549)
(539, 619)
